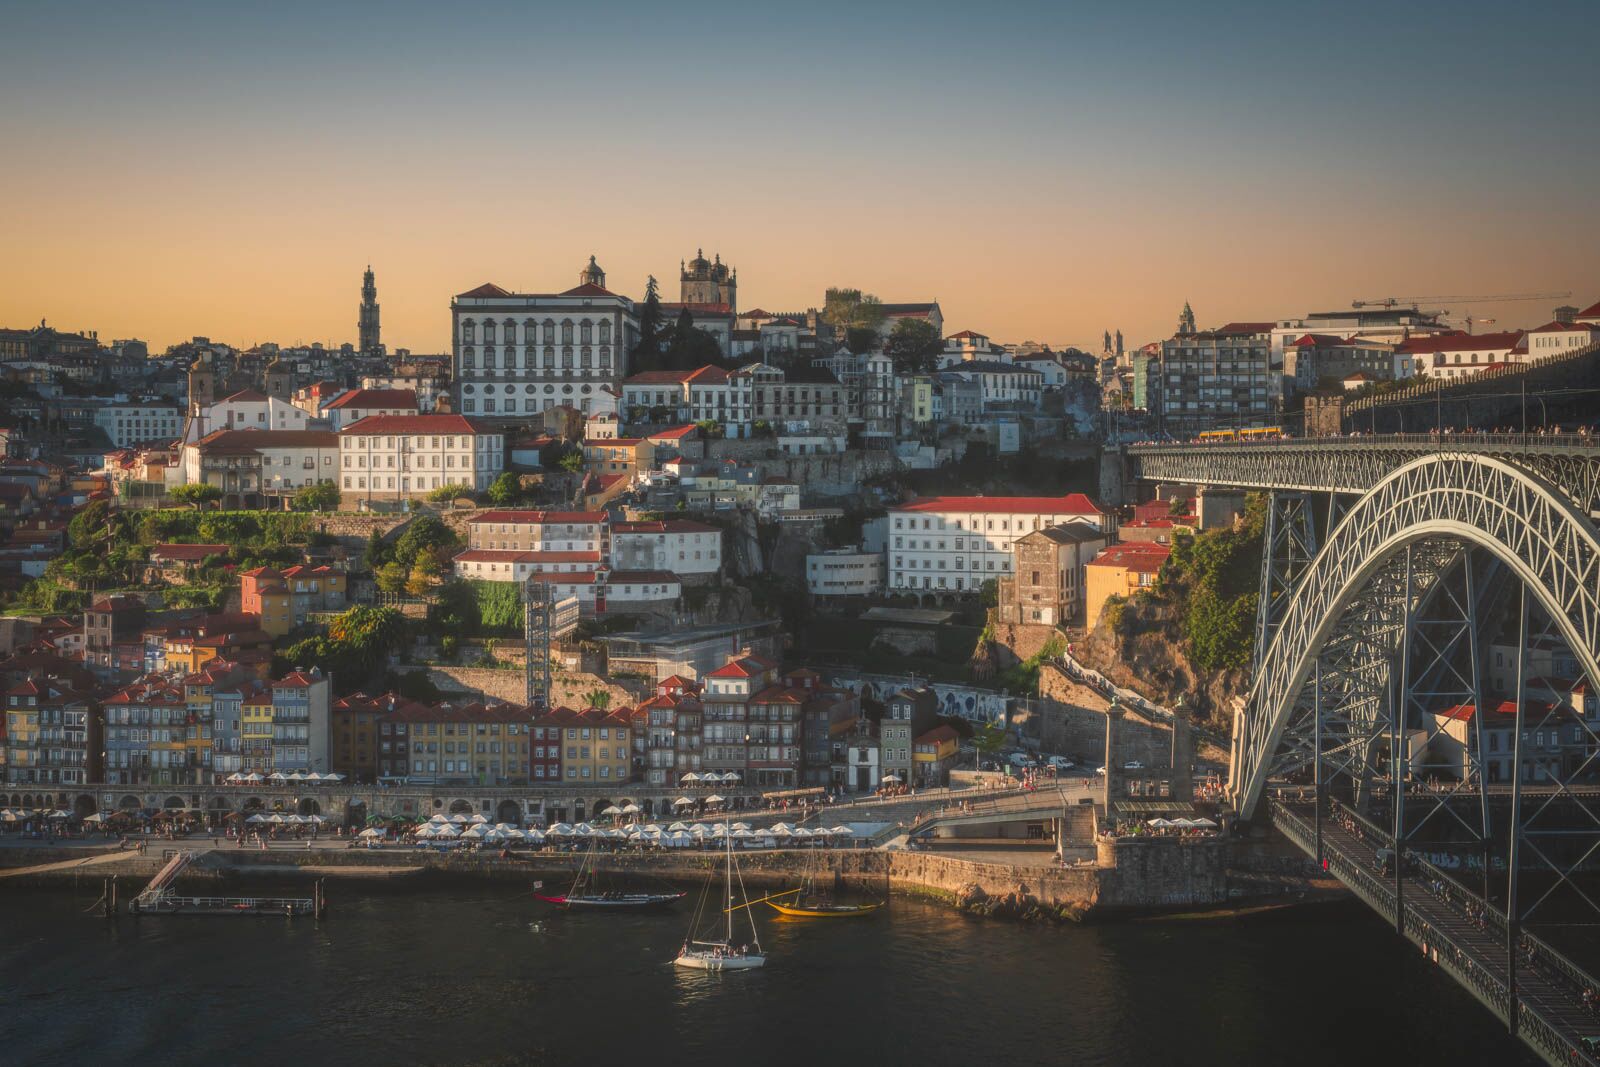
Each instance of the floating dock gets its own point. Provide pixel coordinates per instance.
(158, 898)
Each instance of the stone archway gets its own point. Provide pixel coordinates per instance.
(461, 807)
(84, 806)
(355, 813)
(174, 803)
(27, 800)
(509, 811)
(129, 803)
(308, 806)
(254, 804)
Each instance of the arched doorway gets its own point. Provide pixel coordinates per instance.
(309, 806)
(509, 811)
(554, 813)
(461, 807)
(27, 800)
(649, 807)
(578, 809)
(355, 813)
(84, 806)
(254, 804)
(128, 803)
(174, 803)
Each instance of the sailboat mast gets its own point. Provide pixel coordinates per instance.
(728, 837)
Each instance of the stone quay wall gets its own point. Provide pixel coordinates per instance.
(1162, 872)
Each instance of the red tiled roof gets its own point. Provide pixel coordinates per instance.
(1139, 556)
(1461, 342)
(1590, 312)
(539, 518)
(675, 433)
(588, 289)
(939, 734)
(1071, 504)
(296, 680)
(415, 424)
(246, 441)
(486, 289)
(376, 398)
(698, 309)
(967, 333)
(743, 667)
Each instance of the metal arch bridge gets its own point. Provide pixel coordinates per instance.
(1382, 559)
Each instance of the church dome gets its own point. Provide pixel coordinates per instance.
(699, 264)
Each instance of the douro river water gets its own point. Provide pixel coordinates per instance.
(483, 975)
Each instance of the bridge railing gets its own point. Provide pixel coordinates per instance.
(1462, 439)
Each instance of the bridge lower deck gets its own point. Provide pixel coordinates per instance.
(1463, 935)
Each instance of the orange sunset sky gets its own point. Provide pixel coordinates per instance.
(1045, 171)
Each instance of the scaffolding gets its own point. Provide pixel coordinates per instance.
(536, 610)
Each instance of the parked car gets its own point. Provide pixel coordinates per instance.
(1133, 765)
(1061, 763)
(1100, 770)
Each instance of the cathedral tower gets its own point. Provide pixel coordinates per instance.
(592, 275)
(704, 281)
(367, 325)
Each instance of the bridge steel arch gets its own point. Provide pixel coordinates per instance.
(1525, 521)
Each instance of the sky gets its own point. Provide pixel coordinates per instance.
(1045, 171)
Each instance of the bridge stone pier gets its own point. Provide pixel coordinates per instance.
(1407, 585)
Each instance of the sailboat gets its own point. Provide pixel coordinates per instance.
(724, 955)
(809, 903)
(582, 897)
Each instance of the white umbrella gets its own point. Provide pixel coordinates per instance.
(426, 831)
(235, 777)
(252, 777)
(699, 829)
(715, 799)
(96, 817)
(313, 776)
(682, 802)
(741, 826)
(371, 831)
(891, 778)
(630, 809)
(258, 817)
(740, 833)
(781, 830)
(439, 817)
(474, 833)
(583, 829)
(278, 776)
(59, 814)
(1159, 824)
(560, 829)
(730, 777)
(447, 830)
(1204, 824)
(296, 776)
(678, 828)
(534, 835)
(458, 820)
(842, 831)
(690, 777)
(610, 809)
(478, 820)
(276, 818)
(1182, 824)
(615, 835)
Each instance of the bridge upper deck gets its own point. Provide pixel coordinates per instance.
(1354, 464)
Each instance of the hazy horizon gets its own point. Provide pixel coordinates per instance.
(1045, 171)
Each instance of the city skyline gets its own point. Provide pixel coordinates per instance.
(231, 174)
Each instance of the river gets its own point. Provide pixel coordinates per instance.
(480, 975)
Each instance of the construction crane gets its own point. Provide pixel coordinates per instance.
(1493, 298)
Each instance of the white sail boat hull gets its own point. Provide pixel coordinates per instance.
(705, 961)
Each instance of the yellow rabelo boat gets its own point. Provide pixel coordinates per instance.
(812, 908)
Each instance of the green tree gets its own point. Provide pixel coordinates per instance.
(989, 593)
(195, 494)
(425, 574)
(505, 490)
(391, 578)
(89, 526)
(690, 346)
(599, 699)
(378, 552)
(449, 491)
(914, 345)
(324, 496)
(424, 532)
(572, 461)
(989, 739)
(647, 353)
(851, 309)
(709, 428)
